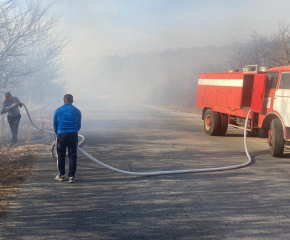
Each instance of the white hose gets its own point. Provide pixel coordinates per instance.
(178, 171)
(32, 121)
(160, 172)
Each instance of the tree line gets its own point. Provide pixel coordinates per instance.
(270, 51)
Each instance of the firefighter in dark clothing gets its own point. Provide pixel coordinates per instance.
(67, 123)
(13, 114)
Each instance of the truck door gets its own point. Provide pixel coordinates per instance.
(258, 93)
(282, 98)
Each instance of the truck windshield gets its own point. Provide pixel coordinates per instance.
(272, 79)
(285, 80)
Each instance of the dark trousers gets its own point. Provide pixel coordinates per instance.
(14, 125)
(67, 141)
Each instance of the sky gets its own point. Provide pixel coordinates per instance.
(120, 27)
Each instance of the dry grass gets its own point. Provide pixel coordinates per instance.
(15, 163)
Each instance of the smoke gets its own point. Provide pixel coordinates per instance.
(143, 50)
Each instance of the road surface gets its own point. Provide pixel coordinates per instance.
(247, 203)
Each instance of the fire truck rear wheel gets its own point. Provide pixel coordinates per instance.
(211, 122)
(276, 138)
(223, 124)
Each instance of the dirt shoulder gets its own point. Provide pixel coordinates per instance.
(15, 165)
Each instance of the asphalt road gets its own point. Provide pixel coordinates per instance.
(247, 203)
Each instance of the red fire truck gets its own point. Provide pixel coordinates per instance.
(226, 98)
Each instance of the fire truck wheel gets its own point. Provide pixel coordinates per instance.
(211, 122)
(276, 138)
(223, 124)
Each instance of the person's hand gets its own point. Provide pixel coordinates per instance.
(19, 103)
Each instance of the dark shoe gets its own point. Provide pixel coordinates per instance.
(13, 142)
(59, 177)
(71, 180)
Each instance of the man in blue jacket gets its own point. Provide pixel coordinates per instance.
(67, 123)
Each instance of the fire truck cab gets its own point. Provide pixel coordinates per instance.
(226, 98)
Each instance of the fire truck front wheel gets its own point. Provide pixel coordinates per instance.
(211, 122)
(275, 138)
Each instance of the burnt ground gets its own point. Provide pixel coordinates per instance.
(247, 203)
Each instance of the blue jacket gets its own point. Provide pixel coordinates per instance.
(67, 119)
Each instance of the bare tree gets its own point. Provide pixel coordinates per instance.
(258, 48)
(237, 54)
(280, 46)
(28, 43)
